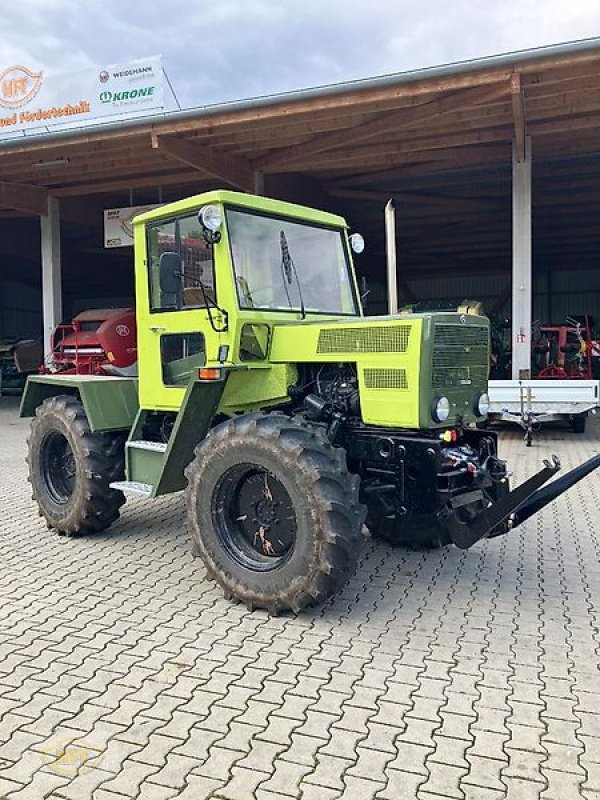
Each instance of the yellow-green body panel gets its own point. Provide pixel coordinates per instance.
(256, 388)
(386, 351)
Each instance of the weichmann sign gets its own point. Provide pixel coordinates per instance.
(31, 99)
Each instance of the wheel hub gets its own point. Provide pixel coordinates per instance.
(254, 517)
(265, 512)
(58, 467)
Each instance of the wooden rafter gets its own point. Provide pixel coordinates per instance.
(435, 200)
(121, 184)
(233, 170)
(24, 197)
(518, 109)
(384, 124)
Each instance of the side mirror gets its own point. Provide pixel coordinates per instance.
(169, 268)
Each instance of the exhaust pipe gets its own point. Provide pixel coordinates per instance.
(390, 252)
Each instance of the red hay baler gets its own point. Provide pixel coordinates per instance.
(101, 341)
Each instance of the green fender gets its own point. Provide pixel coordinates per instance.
(110, 403)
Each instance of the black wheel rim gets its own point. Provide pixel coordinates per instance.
(58, 467)
(254, 519)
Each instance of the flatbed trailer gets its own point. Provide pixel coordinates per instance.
(531, 403)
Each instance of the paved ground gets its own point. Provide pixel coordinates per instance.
(124, 673)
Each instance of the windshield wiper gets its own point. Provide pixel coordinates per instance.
(288, 268)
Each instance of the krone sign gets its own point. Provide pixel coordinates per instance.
(31, 100)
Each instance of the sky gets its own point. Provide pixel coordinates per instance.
(219, 50)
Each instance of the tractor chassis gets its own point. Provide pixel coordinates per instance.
(459, 488)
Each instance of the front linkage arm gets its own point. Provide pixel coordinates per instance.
(518, 505)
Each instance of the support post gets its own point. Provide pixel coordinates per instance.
(390, 251)
(259, 182)
(521, 262)
(51, 271)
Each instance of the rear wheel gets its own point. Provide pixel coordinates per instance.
(274, 512)
(70, 468)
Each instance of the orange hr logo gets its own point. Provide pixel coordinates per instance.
(18, 85)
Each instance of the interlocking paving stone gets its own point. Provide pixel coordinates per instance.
(432, 674)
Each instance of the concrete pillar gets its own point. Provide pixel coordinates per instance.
(51, 271)
(521, 264)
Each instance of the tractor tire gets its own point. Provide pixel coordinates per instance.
(70, 468)
(273, 511)
(578, 422)
(417, 534)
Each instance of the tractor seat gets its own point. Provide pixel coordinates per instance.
(193, 297)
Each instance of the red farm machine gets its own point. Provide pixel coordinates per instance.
(97, 342)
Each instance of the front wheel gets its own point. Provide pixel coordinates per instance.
(274, 512)
(70, 468)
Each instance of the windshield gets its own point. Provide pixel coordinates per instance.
(285, 265)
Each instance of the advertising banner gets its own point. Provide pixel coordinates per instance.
(30, 100)
(118, 227)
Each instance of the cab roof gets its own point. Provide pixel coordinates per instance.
(241, 199)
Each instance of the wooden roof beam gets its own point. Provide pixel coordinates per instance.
(434, 200)
(384, 124)
(233, 170)
(519, 120)
(24, 197)
(147, 180)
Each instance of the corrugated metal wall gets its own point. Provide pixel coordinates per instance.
(560, 294)
(20, 311)
(489, 289)
(555, 296)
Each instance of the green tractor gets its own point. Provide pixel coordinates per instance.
(289, 418)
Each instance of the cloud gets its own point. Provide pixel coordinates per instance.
(230, 49)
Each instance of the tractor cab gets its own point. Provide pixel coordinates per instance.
(216, 272)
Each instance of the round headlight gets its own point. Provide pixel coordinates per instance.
(440, 410)
(357, 243)
(482, 404)
(210, 218)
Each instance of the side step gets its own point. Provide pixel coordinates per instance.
(133, 487)
(140, 444)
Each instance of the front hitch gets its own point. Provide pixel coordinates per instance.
(518, 505)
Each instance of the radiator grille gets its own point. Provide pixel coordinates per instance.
(385, 379)
(380, 339)
(460, 355)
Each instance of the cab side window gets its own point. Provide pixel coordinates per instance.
(182, 236)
